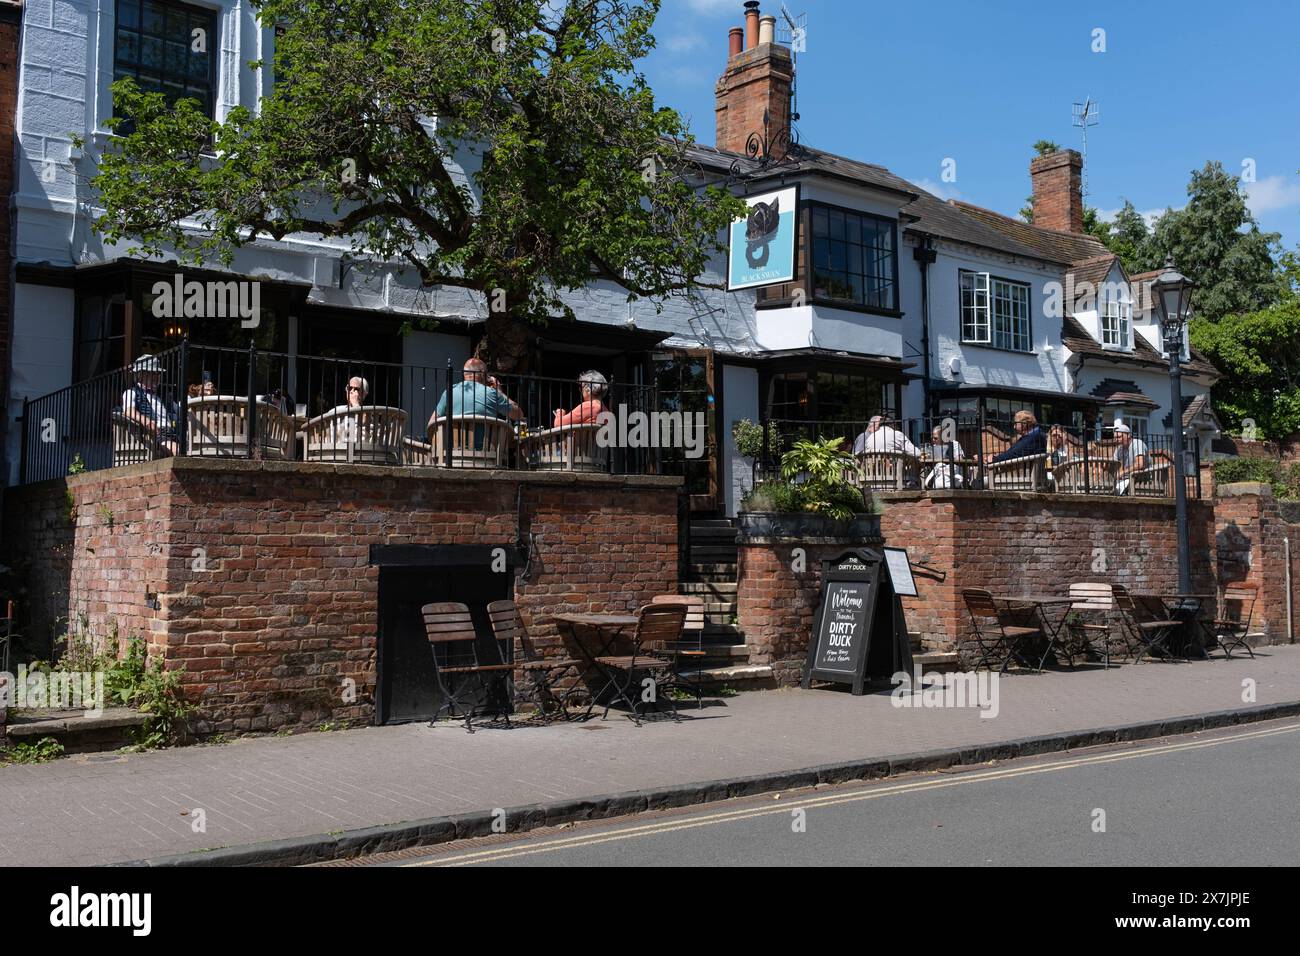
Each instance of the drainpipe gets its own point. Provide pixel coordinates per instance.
(925, 255)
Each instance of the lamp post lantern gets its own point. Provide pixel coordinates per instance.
(1172, 293)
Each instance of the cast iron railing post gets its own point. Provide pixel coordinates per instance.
(183, 426)
(446, 420)
(1087, 466)
(252, 400)
(985, 481)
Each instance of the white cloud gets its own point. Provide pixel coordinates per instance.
(942, 190)
(1272, 193)
(682, 42)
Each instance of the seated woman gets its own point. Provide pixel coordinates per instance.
(944, 474)
(1058, 446)
(593, 387)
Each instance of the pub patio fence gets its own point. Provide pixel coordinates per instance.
(1074, 461)
(252, 403)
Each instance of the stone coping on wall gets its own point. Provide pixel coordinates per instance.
(181, 465)
(848, 542)
(1041, 497)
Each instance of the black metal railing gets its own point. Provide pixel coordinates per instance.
(210, 401)
(960, 453)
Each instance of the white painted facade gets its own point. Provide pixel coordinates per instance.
(64, 76)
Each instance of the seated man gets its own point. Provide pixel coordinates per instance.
(1131, 453)
(1031, 440)
(879, 436)
(141, 404)
(593, 386)
(479, 396)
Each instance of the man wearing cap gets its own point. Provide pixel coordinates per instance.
(141, 404)
(1131, 453)
(879, 436)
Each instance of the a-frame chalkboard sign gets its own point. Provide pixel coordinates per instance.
(859, 633)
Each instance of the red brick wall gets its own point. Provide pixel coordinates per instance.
(1249, 531)
(1058, 190)
(10, 16)
(287, 605)
(776, 599)
(756, 80)
(1029, 544)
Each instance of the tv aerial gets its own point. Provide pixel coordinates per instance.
(793, 32)
(1086, 114)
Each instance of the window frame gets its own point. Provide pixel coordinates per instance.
(213, 17)
(894, 308)
(989, 324)
(1120, 314)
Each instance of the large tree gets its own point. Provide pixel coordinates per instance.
(573, 173)
(1216, 242)
(1259, 356)
(1130, 239)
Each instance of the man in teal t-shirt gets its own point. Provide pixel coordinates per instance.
(474, 396)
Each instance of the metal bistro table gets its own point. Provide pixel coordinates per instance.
(1186, 607)
(1033, 606)
(606, 628)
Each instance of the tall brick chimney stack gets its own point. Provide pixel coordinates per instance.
(1058, 190)
(757, 79)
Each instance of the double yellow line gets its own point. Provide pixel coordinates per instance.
(813, 802)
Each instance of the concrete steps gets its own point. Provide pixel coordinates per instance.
(78, 734)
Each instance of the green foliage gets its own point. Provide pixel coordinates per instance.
(816, 476)
(1259, 356)
(1045, 147)
(77, 466)
(45, 749)
(1215, 242)
(748, 437)
(1284, 478)
(574, 173)
(1130, 239)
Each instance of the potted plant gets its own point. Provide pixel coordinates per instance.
(818, 495)
(749, 441)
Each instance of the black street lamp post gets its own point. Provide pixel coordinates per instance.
(1172, 292)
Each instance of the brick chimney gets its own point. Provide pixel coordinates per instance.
(1058, 190)
(758, 78)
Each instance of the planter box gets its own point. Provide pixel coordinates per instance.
(805, 525)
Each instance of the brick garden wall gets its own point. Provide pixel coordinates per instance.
(1024, 544)
(266, 596)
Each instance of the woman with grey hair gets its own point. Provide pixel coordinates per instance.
(593, 386)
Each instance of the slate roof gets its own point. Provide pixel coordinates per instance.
(948, 221)
(1051, 244)
(1075, 338)
(1115, 391)
(808, 160)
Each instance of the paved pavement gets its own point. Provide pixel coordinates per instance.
(1221, 798)
(110, 808)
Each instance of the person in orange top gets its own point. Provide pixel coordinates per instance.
(593, 387)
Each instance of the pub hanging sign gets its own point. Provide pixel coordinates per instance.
(762, 247)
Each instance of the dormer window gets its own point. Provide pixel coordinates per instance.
(1117, 325)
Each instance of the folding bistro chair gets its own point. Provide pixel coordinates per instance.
(994, 634)
(450, 627)
(657, 624)
(1088, 621)
(543, 673)
(1149, 629)
(1232, 623)
(689, 647)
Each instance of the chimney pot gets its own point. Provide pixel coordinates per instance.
(751, 24)
(735, 41)
(766, 29)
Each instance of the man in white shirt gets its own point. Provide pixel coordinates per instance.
(1131, 453)
(879, 436)
(141, 404)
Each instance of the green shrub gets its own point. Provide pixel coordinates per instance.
(1284, 479)
(45, 749)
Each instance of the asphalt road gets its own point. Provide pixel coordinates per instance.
(1216, 799)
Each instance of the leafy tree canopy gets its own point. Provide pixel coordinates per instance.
(1259, 356)
(1215, 242)
(572, 173)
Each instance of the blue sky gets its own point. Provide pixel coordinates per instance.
(908, 85)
